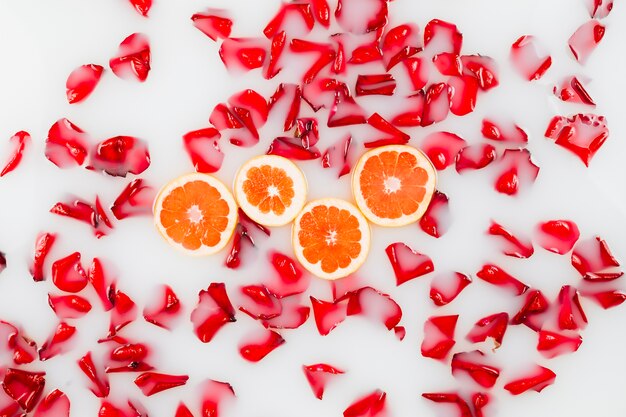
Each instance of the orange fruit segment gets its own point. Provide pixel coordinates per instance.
(270, 189)
(331, 238)
(393, 185)
(196, 213)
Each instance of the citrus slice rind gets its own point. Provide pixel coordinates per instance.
(331, 238)
(393, 185)
(270, 189)
(196, 213)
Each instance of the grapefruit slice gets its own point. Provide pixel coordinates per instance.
(331, 238)
(270, 189)
(393, 185)
(196, 213)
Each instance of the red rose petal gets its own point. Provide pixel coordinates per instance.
(213, 311)
(513, 244)
(142, 6)
(285, 19)
(475, 157)
(529, 58)
(497, 276)
(450, 398)
(516, 169)
(244, 234)
(493, 327)
(82, 81)
(593, 259)
(442, 148)
(133, 58)
(599, 8)
(581, 134)
(552, 344)
(104, 288)
(479, 400)
(68, 274)
(69, 306)
(328, 315)
(441, 36)
(259, 304)
(24, 387)
(448, 64)
(100, 381)
(537, 380)
(373, 304)
(532, 311)
(558, 236)
(66, 144)
(273, 66)
(436, 219)
(417, 71)
(203, 149)
(585, 40)
(290, 279)
(607, 299)
(345, 111)
(183, 411)
(243, 54)
(292, 148)
(340, 156)
(256, 348)
(55, 404)
(572, 90)
(19, 141)
(152, 383)
(57, 342)
(83, 212)
(395, 135)
(120, 155)
(473, 363)
(445, 287)
(463, 93)
(371, 405)
(438, 336)
(134, 200)
(436, 104)
(375, 84)
(325, 56)
(408, 264)
(123, 313)
(215, 23)
(292, 316)
(361, 16)
(321, 11)
(213, 396)
(43, 245)
(318, 376)
(571, 315)
(503, 131)
(400, 43)
(483, 68)
(164, 310)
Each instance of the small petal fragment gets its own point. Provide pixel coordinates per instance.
(581, 134)
(517, 170)
(439, 336)
(495, 275)
(371, 303)
(552, 344)
(215, 23)
(213, 311)
(537, 380)
(475, 157)
(69, 306)
(474, 364)
(255, 349)
(585, 40)
(134, 200)
(166, 308)
(493, 327)
(442, 148)
(43, 245)
(120, 155)
(436, 219)
(408, 264)
(593, 259)
(529, 58)
(55, 404)
(19, 142)
(445, 287)
(504, 132)
(572, 90)
(558, 236)
(372, 405)
(152, 383)
(82, 81)
(514, 245)
(66, 144)
(133, 58)
(328, 315)
(318, 376)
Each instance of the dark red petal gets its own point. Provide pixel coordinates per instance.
(120, 155)
(68, 274)
(24, 387)
(164, 310)
(516, 169)
(531, 312)
(371, 405)
(475, 157)
(43, 245)
(393, 135)
(553, 344)
(537, 380)
(438, 336)
(436, 219)
(581, 134)
(571, 315)
(558, 236)
(436, 104)
(55, 404)
(123, 313)
(584, 41)
(450, 398)
(203, 149)
(57, 342)
(408, 264)
(328, 315)
(82, 81)
(134, 200)
(133, 58)
(289, 278)
(375, 84)
(503, 131)
(444, 36)
(213, 311)
(152, 383)
(105, 289)
(19, 141)
(99, 379)
(483, 68)
(69, 306)
(474, 364)
(257, 348)
(371, 303)
(445, 287)
(514, 245)
(215, 23)
(361, 16)
(339, 155)
(463, 93)
(529, 58)
(593, 259)
(142, 6)
(572, 90)
(318, 376)
(442, 148)
(493, 327)
(66, 144)
(497, 276)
